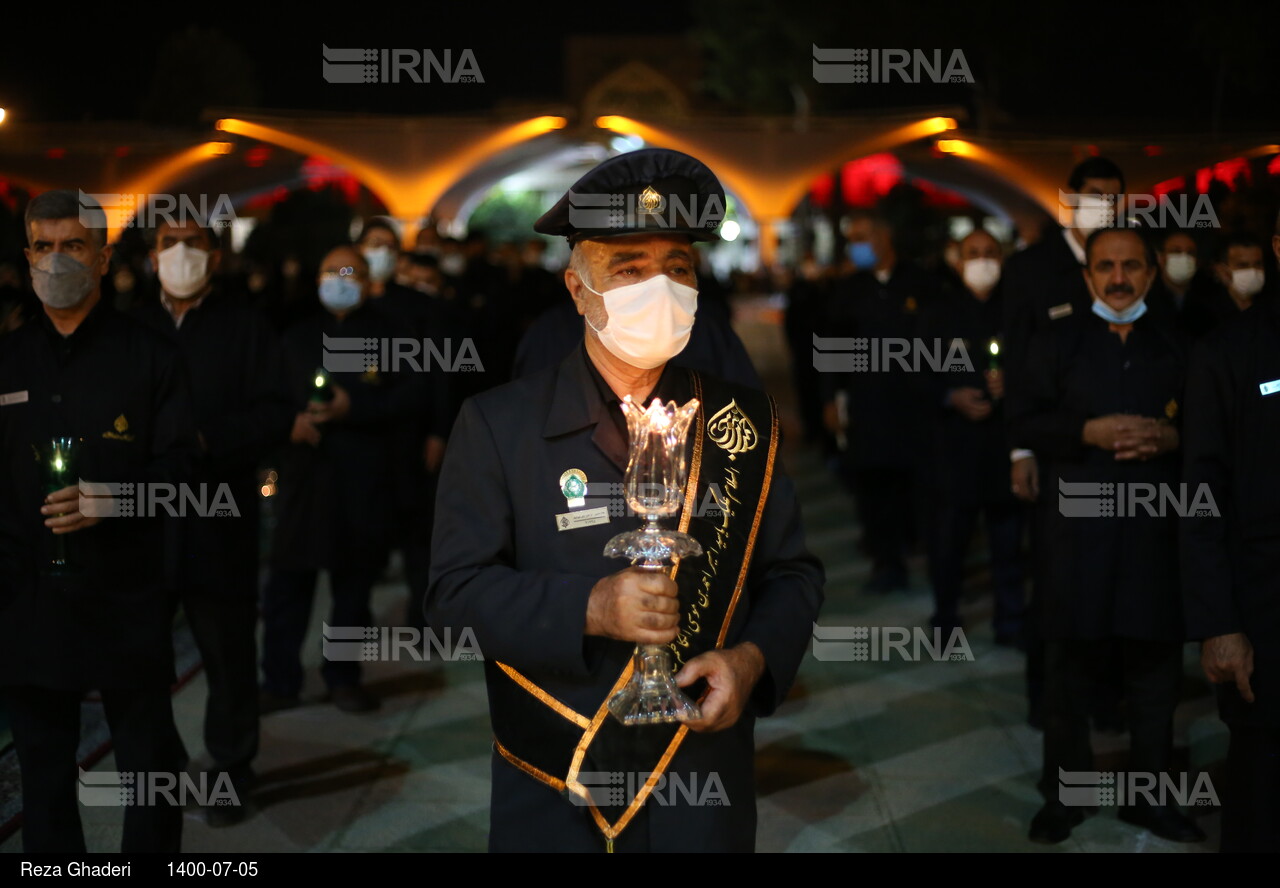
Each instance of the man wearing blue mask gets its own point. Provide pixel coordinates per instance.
(529, 495)
(1098, 400)
(337, 475)
(880, 303)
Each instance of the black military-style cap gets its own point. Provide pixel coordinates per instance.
(650, 191)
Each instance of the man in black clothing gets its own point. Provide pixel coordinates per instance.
(965, 408)
(242, 412)
(337, 477)
(882, 463)
(1043, 286)
(81, 370)
(1239, 279)
(1098, 399)
(1231, 562)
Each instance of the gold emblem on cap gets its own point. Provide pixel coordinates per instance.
(732, 430)
(1171, 409)
(121, 424)
(650, 202)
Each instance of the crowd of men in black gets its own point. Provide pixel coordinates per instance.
(1127, 358)
(203, 382)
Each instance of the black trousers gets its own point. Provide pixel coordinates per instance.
(1251, 796)
(1151, 674)
(286, 611)
(46, 733)
(886, 508)
(222, 610)
(955, 525)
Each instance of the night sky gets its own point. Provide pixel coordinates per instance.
(1038, 69)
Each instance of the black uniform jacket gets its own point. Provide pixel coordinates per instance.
(1042, 284)
(1107, 575)
(969, 459)
(121, 388)
(242, 411)
(336, 501)
(1231, 564)
(885, 421)
(502, 566)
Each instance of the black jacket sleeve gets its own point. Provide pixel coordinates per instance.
(1207, 584)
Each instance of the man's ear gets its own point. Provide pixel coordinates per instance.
(105, 259)
(576, 290)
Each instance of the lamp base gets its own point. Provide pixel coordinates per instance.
(652, 696)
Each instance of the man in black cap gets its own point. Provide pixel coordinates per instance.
(523, 517)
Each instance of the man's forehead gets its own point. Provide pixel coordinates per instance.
(182, 230)
(69, 228)
(979, 238)
(1119, 243)
(627, 248)
(340, 257)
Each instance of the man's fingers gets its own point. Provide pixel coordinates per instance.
(714, 708)
(661, 604)
(1242, 684)
(653, 636)
(697, 668)
(655, 583)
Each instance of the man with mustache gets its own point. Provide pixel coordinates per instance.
(1098, 399)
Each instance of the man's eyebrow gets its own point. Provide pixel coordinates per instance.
(41, 243)
(680, 253)
(626, 256)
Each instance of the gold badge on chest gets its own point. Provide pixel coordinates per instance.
(120, 430)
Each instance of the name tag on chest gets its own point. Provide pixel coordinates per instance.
(1267, 388)
(585, 518)
(13, 398)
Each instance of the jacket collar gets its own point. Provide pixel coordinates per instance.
(575, 400)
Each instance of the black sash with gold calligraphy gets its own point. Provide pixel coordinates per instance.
(730, 470)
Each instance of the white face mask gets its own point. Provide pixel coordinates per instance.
(382, 262)
(649, 322)
(1247, 281)
(1180, 267)
(183, 270)
(1094, 211)
(981, 275)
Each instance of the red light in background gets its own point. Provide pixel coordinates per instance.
(1169, 186)
(257, 156)
(1273, 168)
(867, 179)
(1228, 171)
(823, 187)
(1153, 150)
(56, 153)
(122, 151)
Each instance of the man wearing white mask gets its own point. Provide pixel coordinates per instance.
(530, 494)
(965, 407)
(242, 412)
(84, 371)
(1099, 402)
(1241, 272)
